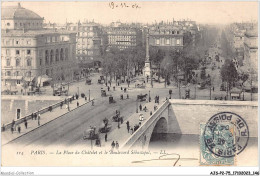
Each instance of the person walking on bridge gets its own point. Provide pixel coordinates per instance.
(128, 126)
(39, 118)
(113, 145)
(106, 137)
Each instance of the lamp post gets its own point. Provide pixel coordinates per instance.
(89, 95)
(149, 96)
(210, 93)
(136, 105)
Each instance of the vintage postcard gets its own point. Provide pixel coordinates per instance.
(131, 83)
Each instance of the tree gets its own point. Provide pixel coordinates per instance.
(229, 73)
(165, 68)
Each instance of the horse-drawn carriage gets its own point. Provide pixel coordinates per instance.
(88, 81)
(90, 134)
(101, 80)
(105, 127)
(103, 93)
(142, 97)
(111, 100)
(117, 118)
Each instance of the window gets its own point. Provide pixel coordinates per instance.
(157, 42)
(28, 52)
(17, 62)
(8, 73)
(8, 62)
(28, 42)
(46, 57)
(178, 41)
(29, 62)
(17, 52)
(18, 82)
(29, 74)
(17, 42)
(167, 41)
(47, 72)
(40, 61)
(8, 52)
(61, 54)
(8, 24)
(17, 73)
(51, 58)
(57, 55)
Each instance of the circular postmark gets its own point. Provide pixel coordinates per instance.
(226, 134)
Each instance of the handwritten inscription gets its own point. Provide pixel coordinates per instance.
(117, 5)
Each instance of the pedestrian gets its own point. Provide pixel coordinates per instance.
(13, 123)
(39, 118)
(121, 119)
(92, 102)
(145, 109)
(25, 123)
(118, 124)
(61, 104)
(35, 116)
(132, 130)
(127, 96)
(85, 98)
(113, 145)
(71, 100)
(21, 91)
(154, 108)
(140, 107)
(114, 88)
(19, 129)
(118, 83)
(32, 116)
(213, 88)
(127, 124)
(158, 99)
(117, 145)
(108, 88)
(77, 104)
(121, 88)
(151, 113)
(110, 83)
(155, 99)
(106, 137)
(12, 130)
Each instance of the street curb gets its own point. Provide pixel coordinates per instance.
(46, 123)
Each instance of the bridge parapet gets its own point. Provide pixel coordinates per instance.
(147, 124)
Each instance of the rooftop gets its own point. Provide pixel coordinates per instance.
(18, 12)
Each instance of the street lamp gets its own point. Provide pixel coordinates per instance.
(89, 95)
(136, 105)
(149, 96)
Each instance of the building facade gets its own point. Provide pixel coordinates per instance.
(89, 43)
(251, 49)
(123, 36)
(31, 54)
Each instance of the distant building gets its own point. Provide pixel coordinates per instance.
(251, 49)
(30, 52)
(89, 42)
(123, 36)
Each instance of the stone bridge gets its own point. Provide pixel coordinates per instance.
(185, 116)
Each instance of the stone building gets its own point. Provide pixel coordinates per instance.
(89, 43)
(123, 36)
(31, 54)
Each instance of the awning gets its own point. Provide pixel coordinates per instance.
(43, 78)
(12, 77)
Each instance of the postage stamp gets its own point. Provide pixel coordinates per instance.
(225, 135)
(208, 158)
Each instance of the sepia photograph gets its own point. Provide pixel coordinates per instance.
(129, 83)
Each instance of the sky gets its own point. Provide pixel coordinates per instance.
(148, 12)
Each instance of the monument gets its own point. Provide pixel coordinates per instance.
(147, 66)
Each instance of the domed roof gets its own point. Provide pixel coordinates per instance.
(18, 12)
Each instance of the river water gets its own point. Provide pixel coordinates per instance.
(188, 147)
